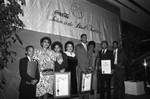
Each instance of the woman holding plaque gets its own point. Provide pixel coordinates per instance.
(61, 58)
(45, 58)
(28, 82)
(92, 57)
(72, 64)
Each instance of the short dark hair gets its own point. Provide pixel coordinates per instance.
(82, 35)
(29, 46)
(115, 42)
(57, 43)
(45, 38)
(91, 43)
(69, 42)
(104, 42)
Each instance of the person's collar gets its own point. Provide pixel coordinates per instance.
(116, 49)
(104, 50)
(83, 43)
(71, 54)
(28, 58)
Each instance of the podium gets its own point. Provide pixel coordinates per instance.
(134, 87)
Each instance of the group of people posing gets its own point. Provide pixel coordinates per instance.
(83, 57)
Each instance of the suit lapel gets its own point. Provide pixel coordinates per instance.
(26, 59)
(101, 53)
(104, 52)
(83, 47)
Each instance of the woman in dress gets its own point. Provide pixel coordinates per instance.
(61, 60)
(93, 61)
(72, 64)
(45, 58)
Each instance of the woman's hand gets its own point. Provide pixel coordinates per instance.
(62, 71)
(59, 58)
(60, 61)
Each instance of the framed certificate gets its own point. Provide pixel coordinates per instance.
(61, 84)
(86, 82)
(106, 66)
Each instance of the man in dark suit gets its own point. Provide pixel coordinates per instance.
(105, 79)
(27, 87)
(119, 74)
(81, 54)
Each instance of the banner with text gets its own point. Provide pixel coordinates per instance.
(71, 18)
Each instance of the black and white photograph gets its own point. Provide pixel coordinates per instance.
(74, 49)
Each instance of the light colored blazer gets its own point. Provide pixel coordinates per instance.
(82, 57)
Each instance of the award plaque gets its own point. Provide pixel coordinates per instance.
(86, 82)
(106, 66)
(61, 84)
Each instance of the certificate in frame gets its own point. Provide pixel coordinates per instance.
(86, 82)
(106, 66)
(61, 84)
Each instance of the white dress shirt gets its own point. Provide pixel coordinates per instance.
(29, 58)
(115, 52)
(104, 51)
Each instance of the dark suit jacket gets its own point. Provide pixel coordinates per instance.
(24, 76)
(107, 56)
(82, 58)
(121, 57)
(64, 64)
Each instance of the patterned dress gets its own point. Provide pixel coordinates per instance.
(45, 61)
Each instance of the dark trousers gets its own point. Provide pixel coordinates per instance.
(118, 84)
(28, 92)
(105, 86)
(84, 96)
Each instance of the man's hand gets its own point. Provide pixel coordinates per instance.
(112, 71)
(33, 82)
